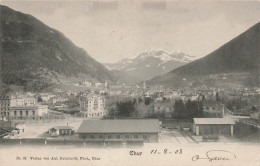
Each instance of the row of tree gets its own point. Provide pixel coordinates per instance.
(187, 110)
(126, 108)
(180, 110)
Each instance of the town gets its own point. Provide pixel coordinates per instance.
(136, 82)
(104, 114)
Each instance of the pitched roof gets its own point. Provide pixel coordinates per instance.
(61, 128)
(120, 126)
(213, 121)
(8, 128)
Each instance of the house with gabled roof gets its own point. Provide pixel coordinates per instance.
(125, 130)
(213, 126)
(60, 130)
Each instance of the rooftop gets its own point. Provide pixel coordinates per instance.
(120, 126)
(61, 127)
(28, 106)
(211, 103)
(213, 121)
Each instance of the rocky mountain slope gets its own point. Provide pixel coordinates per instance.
(30, 51)
(240, 55)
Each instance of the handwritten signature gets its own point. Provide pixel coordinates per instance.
(215, 155)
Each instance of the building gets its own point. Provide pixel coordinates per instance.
(87, 83)
(115, 90)
(26, 112)
(15, 100)
(58, 99)
(255, 113)
(122, 130)
(46, 97)
(164, 108)
(213, 108)
(20, 100)
(212, 126)
(4, 105)
(206, 92)
(29, 100)
(191, 97)
(7, 128)
(92, 105)
(60, 131)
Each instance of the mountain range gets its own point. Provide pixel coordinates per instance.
(240, 57)
(151, 63)
(34, 56)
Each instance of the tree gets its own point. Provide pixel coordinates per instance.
(164, 99)
(229, 105)
(39, 99)
(254, 109)
(199, 113)
(134, 102)
(179, 109)
(147, 100)
(72, 102)
(203, 97)
(188, 110)
(217, 96)
(125, 108)
(140, 100)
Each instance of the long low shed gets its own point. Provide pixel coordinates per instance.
(138, 129)
(213, 126)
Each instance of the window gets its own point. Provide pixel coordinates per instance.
(118, 136)
(21, 113)
(33, 112)
(27, 113)
(92, 136)
(109, 137)
(135, 136)
(144, 136)
(127, 136)
(100, 136)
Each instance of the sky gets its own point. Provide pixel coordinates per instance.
(113, 30)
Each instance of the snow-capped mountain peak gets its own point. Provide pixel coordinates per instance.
(151, 63)
(165, 55)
